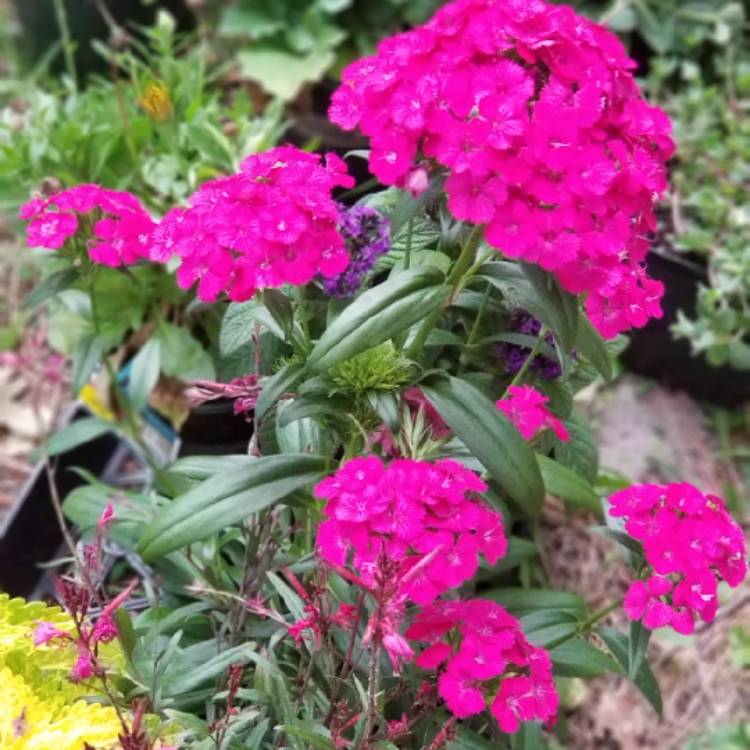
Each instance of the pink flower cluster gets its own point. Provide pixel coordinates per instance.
(416, 513)
(272, 223)
(121, 229)
(690, 542)
(526, 408)
(409, 530)
(534, 114)
(477, 643)
(88, 636)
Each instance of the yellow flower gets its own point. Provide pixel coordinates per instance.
(28, 723)
(156, 102)
(90, 396)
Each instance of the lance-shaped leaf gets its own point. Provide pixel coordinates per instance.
(490, 437)
(228, 498)
(561, 307)
(378, 315)
(566, 484)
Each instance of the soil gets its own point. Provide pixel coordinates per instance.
(650, 434)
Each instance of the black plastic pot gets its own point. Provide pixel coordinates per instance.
(30, 534)
(654, 351)
(213, 429)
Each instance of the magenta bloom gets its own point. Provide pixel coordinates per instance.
(273, 223)
(533, 113)
(84, 668)
(690, 542)
(526, 408)
(477, 642)
(44, 632)
(121, 232)
(418, 515)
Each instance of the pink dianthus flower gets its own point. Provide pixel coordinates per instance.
(273, 223)
(475, 643)
(419, 516)
(534, 114)
(526, 408)
(121, 231)
(690, 543)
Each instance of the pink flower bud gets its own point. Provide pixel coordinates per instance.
(106, 518)
(44, 632)
(83, 669)
(417, 181)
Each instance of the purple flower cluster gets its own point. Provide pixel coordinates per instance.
(367, 235)
(514, 356)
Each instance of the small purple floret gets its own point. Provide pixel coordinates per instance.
(514, 356)
(367, 235)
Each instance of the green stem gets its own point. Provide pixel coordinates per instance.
(532, 356)
(480, 262)
(410, 232)
(67, 41)
(372, 692)
(455, 280)
(476, 325)
(365, 186)
(480, 314)
(598, 616)
(301, 299)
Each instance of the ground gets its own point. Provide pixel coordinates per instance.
(651, 434)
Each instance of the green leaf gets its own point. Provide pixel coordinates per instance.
(378, 315)
(315, 735)
(528, 737)
(277, 385)
(490, 437)
(144, 374)
(580, 452)
(86, 358)
(520, 601)
(50, 286)
(77, 433)
(645, 680)
(561, 306)
(564, 483)
(638, 639)
(280, 309)
(212, 144)
(227, 499)
(519, 550)
(238, 325)
(591, 345)
(312, 405)
(386, 405)
(548, 628)
(468, 740)
(125, 632)
(623, 539)
(190, 676)
(281, 73)
(182, 356)
(203, 467)
(579, 658)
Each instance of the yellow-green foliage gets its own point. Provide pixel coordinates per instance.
(39, 708)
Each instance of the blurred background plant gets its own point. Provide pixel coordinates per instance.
(285, 44)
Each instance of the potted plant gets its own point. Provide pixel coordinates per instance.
(367, 574)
